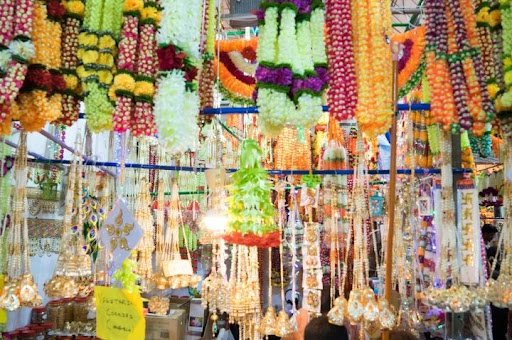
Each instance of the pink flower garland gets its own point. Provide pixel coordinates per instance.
(15, 25)
(143, 123)
(126, 64)
(342, 94)
(69, 46)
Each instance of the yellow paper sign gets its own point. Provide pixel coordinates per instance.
(3, 312)
(119, 314)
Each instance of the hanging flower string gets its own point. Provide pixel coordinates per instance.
(236, 75)
(177, 102)
(16, 49)
(124, 82)
(40, 100)
(97, 49)
(72, 95)
(342, 78)
(411, 65)
(143, 121)
(504, 101)
(207, 78)
(292, 70)
(251, 210)
(454, 67)
(372, 24)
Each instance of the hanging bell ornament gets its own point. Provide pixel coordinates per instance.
(387, 317)
(283, 326)
(355, 308)
(336, 315)
(268, 323)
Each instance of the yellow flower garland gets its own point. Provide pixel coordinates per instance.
(371, 24)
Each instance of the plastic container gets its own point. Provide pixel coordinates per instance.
(38, 315)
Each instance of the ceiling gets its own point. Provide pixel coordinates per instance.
(407, 14)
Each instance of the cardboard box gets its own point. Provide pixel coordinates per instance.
(168, 327)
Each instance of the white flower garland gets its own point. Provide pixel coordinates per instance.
(180, 25)
(288, 50)
(317, 21)
(176, 111)
(268, 36)
(304, 45)
(239, 61)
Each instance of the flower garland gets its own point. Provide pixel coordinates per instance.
(292, 73)
(176, 101)
(16, 49)
(40, 99)
(251, 211)
(236, 75)
(372, 22)
(411, 65)
(69, 47)
(454, 67)
(504, 101)
(207, 78)
(96, 52)
(143, 122)
(124, 82)
(342, 92)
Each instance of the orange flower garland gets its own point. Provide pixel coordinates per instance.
(411, 65)
(40, 100)
(237, 89)
(371, 24)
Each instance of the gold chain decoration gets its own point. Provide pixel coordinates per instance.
(19, 289)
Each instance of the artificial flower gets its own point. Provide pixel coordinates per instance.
(23, 49)
(176, 111)
(144, 88)
(90, 56)
(75, 7)
(150, 13)
(133, 6)
(124, 81)
(88, 39)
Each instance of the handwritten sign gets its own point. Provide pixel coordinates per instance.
(120, 234)
(119, 314)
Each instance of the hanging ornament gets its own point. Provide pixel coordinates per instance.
(20, 288)
(250, 208)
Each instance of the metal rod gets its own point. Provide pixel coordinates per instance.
(72, 150)
(388, 288)
(254, 109)
(340, 172)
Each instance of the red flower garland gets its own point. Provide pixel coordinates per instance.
(342, 94)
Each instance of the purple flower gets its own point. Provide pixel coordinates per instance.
(281, 76)
(323, 74)
(260, 14)
(406, 54)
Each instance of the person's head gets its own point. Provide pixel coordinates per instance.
(402, 335)
(320, 329)
(488, 232)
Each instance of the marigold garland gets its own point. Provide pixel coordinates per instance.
(371, 22)
(237, 81)
(44, 82)
(411, 65)
(16, 49)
